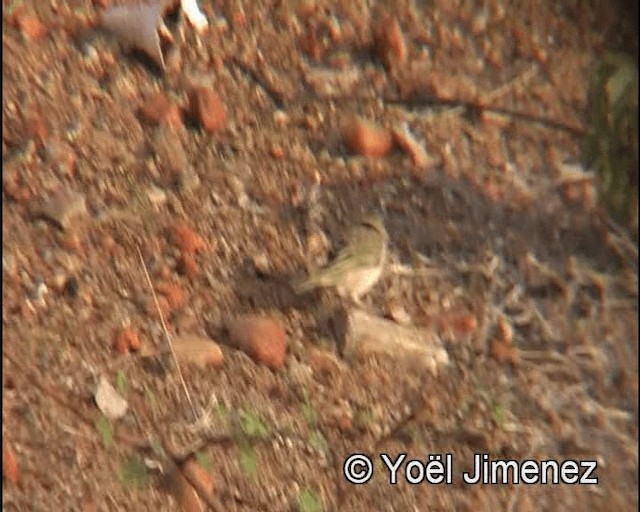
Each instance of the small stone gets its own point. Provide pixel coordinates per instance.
(9, 264)
(504, 352)
(205, 107)
(158, 110)
(276, 151)
(459, 324)
(62, 209)
(60, 155)
(198, 350)
(406, 140)
(127, 340)
(31, 27)
(187, 240)
(367, 139)
(369, 335)
(262, 338)
(261, 264)
(281, 118)
(390, 42)
(9, 465)
(110, 403)
(187, 181)
(182, 491)
(174, 294)
(156, 195)
(72, 287)
(38, 293)
(187, 266)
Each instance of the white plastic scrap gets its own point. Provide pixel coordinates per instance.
(195, 16)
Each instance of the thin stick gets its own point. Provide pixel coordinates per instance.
(166, 333)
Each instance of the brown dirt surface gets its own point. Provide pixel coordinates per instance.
(531, 290)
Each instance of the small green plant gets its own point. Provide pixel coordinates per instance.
(121, 383)
(103, 426)
(12, 7)
(253, 426)
(309, 501)
(611, 144)
(499, 408)
(500, 413)
(204, 459)
(317, 441)
(248, 459)
(134, 472)
(220, 410)
(150, 398)
(307, 410)
(363, 419)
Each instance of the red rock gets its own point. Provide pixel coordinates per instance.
(183, 492)
(206, 107)
(187, 266)
(262, 338)
(390, 43)
(503, 352)
(173, 293)
(158, 110)
(187, 240)
(312, 46)
(367, 139)
(28, 24)
(10, 465)
(458, 323)
(276, 151)
(127, 340)
(405, 139)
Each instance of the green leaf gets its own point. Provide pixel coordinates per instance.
(308, 501)
(249, 460)
(103, 426)
(134, 472)
(317, 441)
(253, 426)
(220, 410)
(150, 398)
(307, 410)
(204, 459)
(500, 413)
(121, 383)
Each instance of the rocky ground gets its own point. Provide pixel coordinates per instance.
(234, 162)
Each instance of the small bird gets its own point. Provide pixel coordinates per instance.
(358, 266)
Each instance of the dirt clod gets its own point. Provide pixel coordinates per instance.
(365, 138)
(206, 107)
(262, 338)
